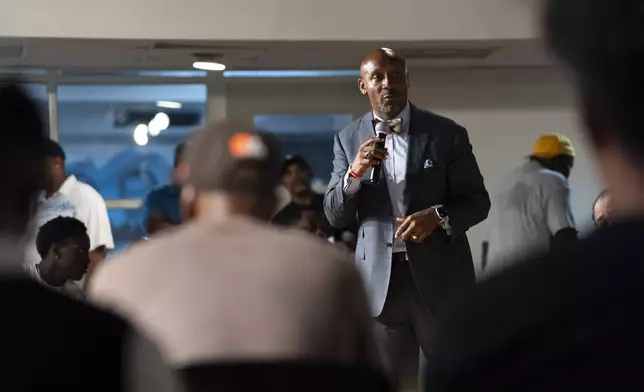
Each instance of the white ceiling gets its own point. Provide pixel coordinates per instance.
(77, 55)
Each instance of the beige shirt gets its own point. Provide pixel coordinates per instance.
(241, 290)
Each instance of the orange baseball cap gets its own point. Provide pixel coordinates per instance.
(229, 156)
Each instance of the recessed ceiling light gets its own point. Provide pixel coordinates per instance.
(169, 104)
(159, 123)
(209, 66)
(141, 134)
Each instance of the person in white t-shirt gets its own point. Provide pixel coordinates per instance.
(66, 196)
(63, 245)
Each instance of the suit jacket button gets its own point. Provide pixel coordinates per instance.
(389, 245)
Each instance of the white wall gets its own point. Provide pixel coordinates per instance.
(299, 20)
(505, 110)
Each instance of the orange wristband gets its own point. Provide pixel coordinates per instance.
(353, 174)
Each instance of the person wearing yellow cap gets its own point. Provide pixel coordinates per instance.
(531, 210)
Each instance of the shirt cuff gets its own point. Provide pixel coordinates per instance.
(351, 185)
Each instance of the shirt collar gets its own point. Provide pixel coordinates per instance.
(68, 185)
(405, 115)
(65, 189)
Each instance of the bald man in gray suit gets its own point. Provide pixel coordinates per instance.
(412, 248)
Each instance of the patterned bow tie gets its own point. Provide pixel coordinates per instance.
(396, 124)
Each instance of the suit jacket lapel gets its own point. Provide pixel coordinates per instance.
(418, 139)
(366, 128)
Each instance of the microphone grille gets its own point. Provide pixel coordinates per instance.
(382, 127)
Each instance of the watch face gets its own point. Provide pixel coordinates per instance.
(442, 213)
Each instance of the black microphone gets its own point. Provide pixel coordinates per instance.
(381, 131)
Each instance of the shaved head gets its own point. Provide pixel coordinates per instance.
(379, 56)
(384, 79)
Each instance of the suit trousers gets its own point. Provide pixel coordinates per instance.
(407, 324)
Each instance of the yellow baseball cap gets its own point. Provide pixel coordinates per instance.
(552, 145)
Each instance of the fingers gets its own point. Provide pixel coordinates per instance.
(372, 155)
(419, 237)
(411, 230)
(369, 155)
(368, 143)
(378, 155)
(406, 222)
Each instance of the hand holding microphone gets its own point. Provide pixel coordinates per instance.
(371, 154)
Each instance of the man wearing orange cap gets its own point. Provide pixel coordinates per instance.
(531, 208)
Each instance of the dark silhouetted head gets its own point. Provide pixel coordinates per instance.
(603, 43)
(22, 157)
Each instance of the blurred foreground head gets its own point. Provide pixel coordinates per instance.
(232, 170)
(602, 42)
(22, 158)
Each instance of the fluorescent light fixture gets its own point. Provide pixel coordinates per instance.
(169, 104)
(269, 73)
(209, 66)
(141, 134)
(172, 74)
(159, 123)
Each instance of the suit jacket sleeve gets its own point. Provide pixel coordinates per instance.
(339, 208)
(469, 202)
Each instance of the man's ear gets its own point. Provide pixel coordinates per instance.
(362, 87)
(53, 250)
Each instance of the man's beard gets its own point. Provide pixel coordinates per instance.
(390, 108)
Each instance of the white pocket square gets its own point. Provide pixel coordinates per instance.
(428, 164)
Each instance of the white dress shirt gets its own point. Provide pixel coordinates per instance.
(394, 170)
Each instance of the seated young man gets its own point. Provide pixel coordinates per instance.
(63, 245)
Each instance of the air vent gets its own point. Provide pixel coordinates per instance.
(448, 54)
(84, 72)
(198, 47)
(11, 51)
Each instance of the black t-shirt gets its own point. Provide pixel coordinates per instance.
(570, 320)
(51, 342)
(292, 211)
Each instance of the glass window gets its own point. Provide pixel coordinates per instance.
(117, 141)
(310, 136)
(38, 92)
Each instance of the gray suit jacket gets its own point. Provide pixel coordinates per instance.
(442, 264)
